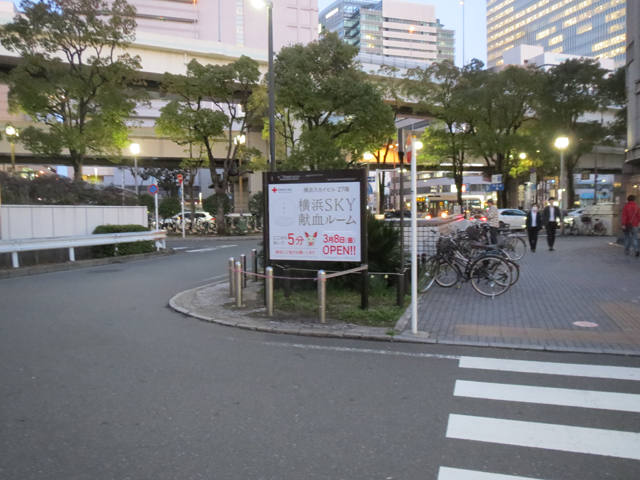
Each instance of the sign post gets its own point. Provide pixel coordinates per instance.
(153, 190)
(414, 238)
(180, 182)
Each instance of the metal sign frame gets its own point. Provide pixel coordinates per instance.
(270, 179)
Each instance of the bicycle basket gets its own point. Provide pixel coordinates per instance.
(473, 233)
(585, 219)
(445, 245)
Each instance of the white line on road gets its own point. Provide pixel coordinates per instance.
(623, 402)
(564, 438)
(549, 368)
(179, 248)
(447, 473)
(210, 249)
(361, 350)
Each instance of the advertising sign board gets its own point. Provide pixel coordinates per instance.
(316, 216)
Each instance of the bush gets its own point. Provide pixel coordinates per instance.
(148, 201)
(169, 206)
(102, 251)
(210, 205)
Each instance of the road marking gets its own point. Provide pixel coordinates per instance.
(210, 249)
(543, 435)
(179, 248)
(361, 350)
(623, 402)
(549, 368)
(447, 473)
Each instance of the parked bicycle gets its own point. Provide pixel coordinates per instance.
(587, 226)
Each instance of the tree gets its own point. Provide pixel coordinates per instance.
(190, 120)
(503, 103)
(571, 90)
(71, 77)
(322, 85)
(446, 92)
(615, 95)
(167, 178)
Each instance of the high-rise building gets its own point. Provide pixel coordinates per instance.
(230, 22)
(589, 28)
(390, 32)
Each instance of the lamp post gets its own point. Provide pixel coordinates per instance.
(272, 94)
(561, 144)
(12, 134)
(239, 140)
(135, 149)
(415, 146)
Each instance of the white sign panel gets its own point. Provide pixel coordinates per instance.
(496, 178)
(315, 221)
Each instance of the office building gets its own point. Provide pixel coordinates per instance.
(390, 32)
(586, 28)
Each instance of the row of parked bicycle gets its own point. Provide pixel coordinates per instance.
(203, 224)
(468, 256)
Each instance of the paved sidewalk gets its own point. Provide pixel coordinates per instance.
(586, 279)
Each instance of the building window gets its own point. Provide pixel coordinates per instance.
(584, 28)
(555, 40)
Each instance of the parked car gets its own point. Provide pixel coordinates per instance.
(515, 219)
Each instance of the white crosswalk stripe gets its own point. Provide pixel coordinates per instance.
(549, 368)
(458, 474)
(544, 435)
(623, 402)
(540, 435)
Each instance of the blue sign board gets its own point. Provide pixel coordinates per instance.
(496, 187)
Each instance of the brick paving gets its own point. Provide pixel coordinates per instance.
(584, 279)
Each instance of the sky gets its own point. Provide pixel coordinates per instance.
(450, 14)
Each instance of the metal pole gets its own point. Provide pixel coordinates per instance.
(135, 171)
(322, 296)
(561, 191)
(232, 278)
(401, 277)
(595, 181)
(414, 238)
(155, 197)
(238, 286)
(243, 261)
(13, 157)
(184, 220)
(122, 171)
(254, 263)
(272, 95)
(269, 291)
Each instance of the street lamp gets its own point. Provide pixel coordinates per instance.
(367, 156)
(12, 133)
(415, 146)
(272, 95)
(523, 156)
(135, 149)
(561, 144)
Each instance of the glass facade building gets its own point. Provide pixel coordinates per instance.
(390, 31)
(589, 28)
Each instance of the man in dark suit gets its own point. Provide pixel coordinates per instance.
(533, 225)
(550, 216)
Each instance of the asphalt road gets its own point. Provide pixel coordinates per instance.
(100, 380)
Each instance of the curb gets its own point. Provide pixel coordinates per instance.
(377, 334)
(93, 262)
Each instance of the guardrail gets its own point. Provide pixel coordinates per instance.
(15, 246)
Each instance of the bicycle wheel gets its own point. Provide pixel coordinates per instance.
(515, 247)
(428, 273)
(599, 229)
(447, 275)
(490, 276)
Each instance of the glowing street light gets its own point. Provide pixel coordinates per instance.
(12, 133)
(367, 156)
(523, 156)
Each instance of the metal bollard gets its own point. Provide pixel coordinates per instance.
(243, 261)
(269, 290)
(254, 263)
(232, 278)
(238, 282)
(322, 296)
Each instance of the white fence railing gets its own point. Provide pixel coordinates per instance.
(48, 221)
(15, 246)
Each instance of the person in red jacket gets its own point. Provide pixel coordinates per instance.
(630, 222)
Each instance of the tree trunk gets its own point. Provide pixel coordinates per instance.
(192, 179)
(381, 193)
(568, 201)
(76, 163)
(220, 220)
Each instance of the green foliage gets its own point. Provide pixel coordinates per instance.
(169, 206)
(56, 190)
(167, 178)
(132, 248)
(148, 201)
(384, 245)
(256, 204)
(323, 87)
(71, 78)
(187, 121)
(615, 94)
(212, 203)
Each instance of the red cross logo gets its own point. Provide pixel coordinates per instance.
(274, 190)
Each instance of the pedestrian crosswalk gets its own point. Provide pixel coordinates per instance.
(538, 434)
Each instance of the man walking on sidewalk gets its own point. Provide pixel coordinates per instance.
(630, 222)
(493, 219)
(533, 226)
(550, 216)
